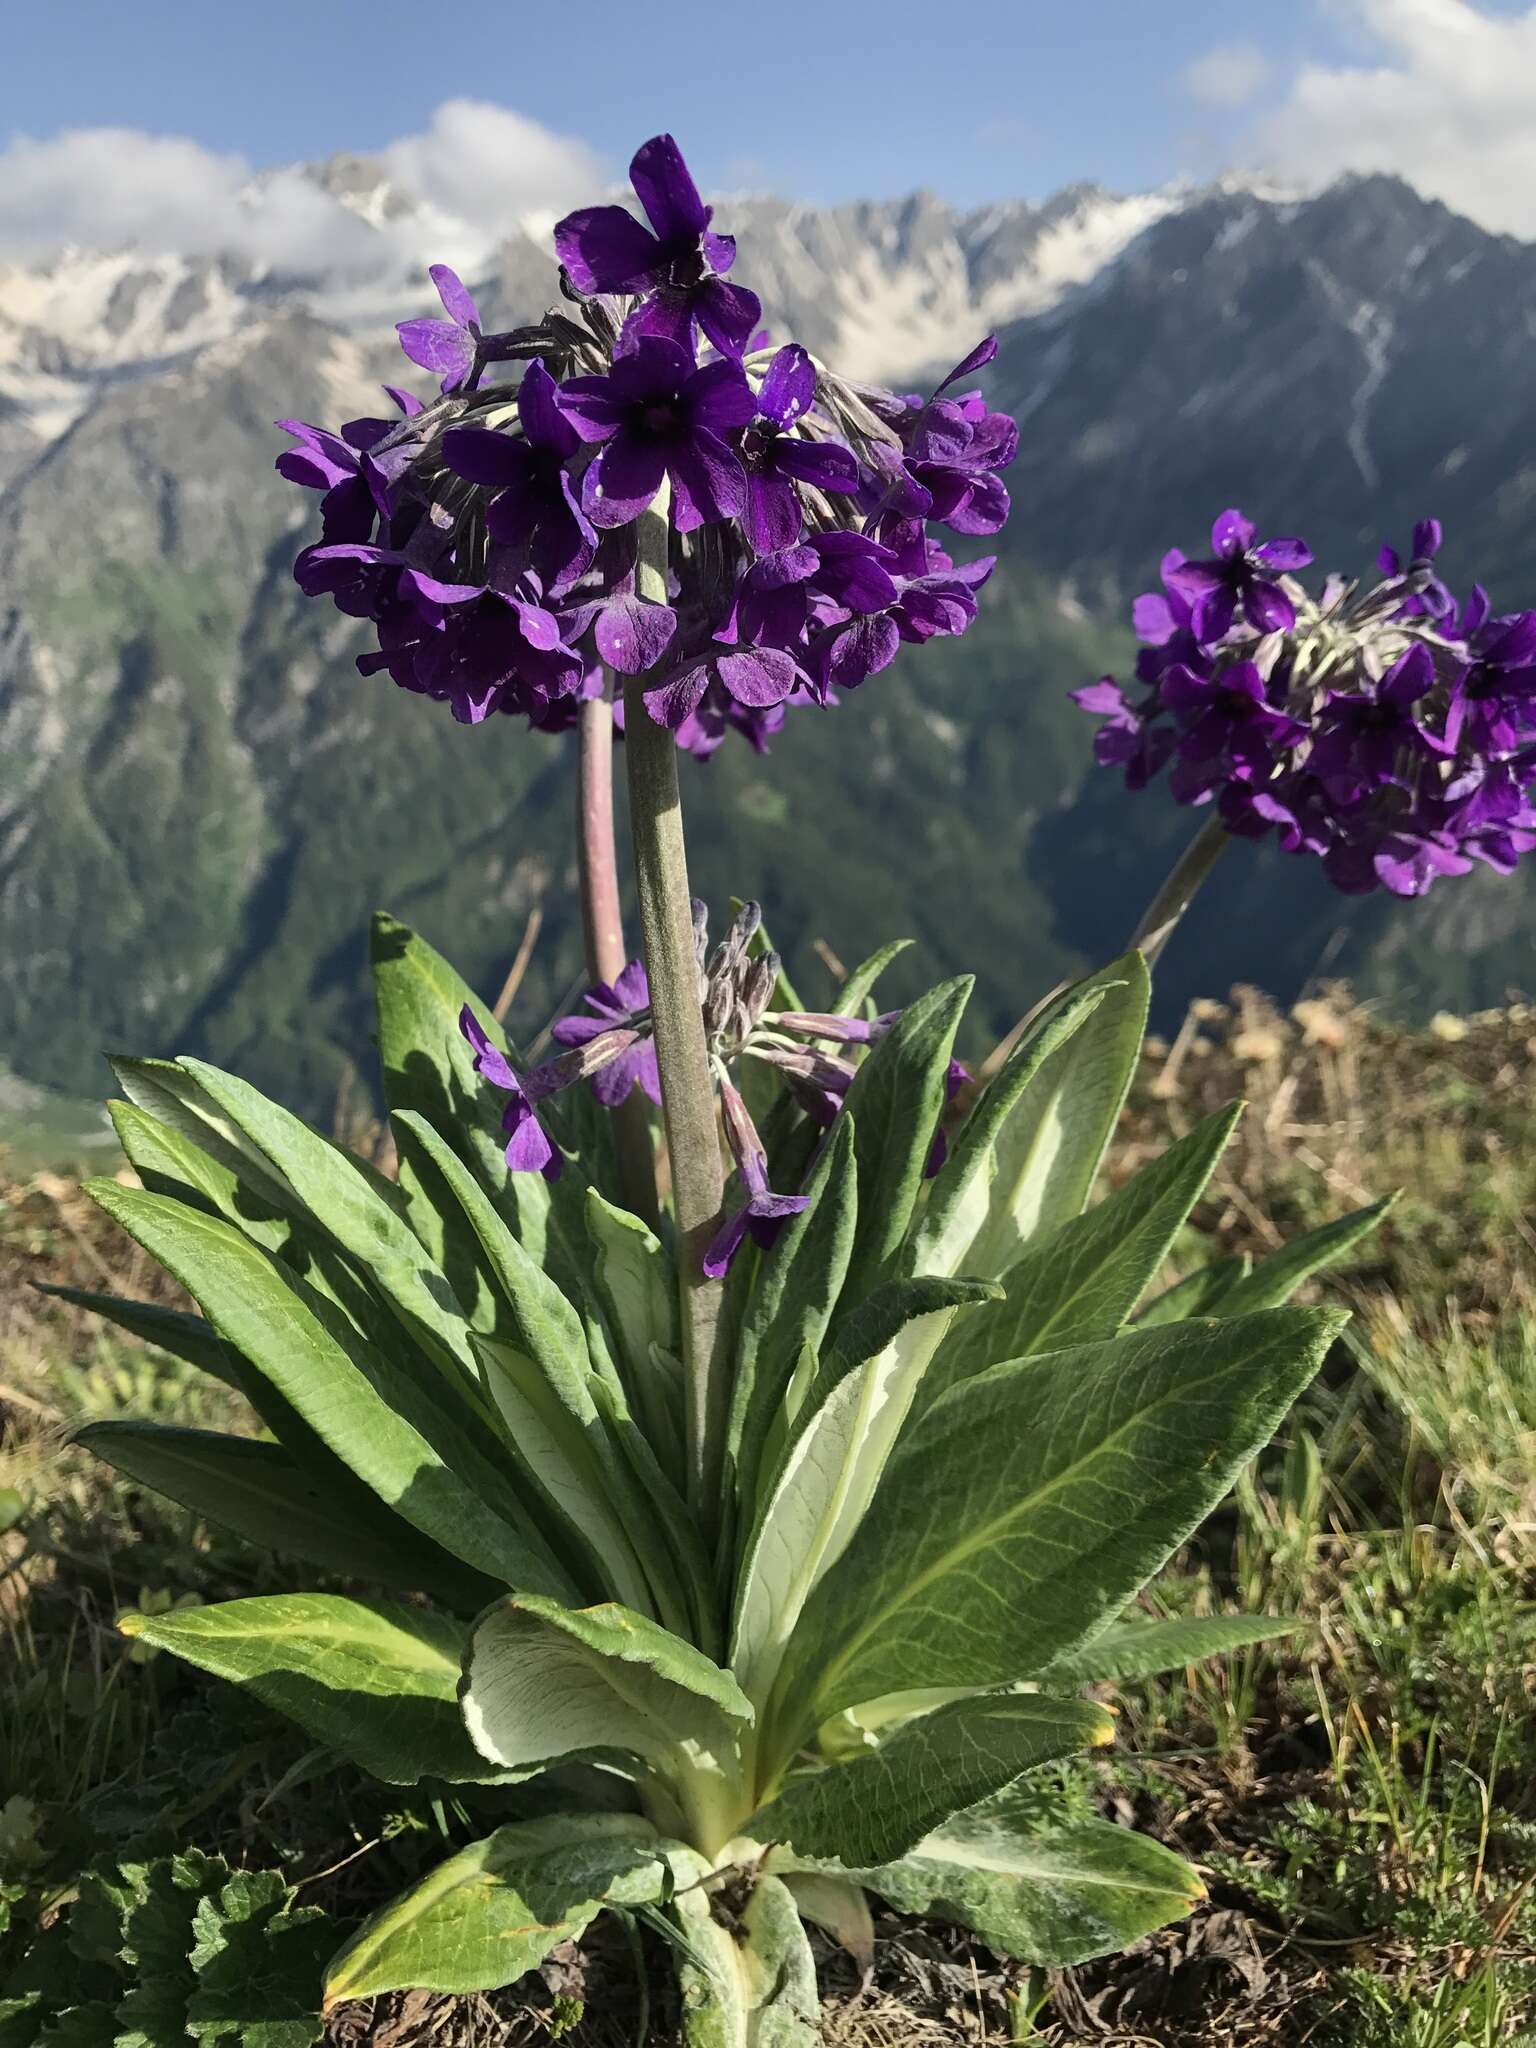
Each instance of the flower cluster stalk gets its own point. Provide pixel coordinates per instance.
(1156, 925)
(682, 1056)
(602, 923)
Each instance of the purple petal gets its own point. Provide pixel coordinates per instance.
(623, 480)
(1268, 609)
(725, 1244)
(979, 357)
(676, 699)
(490, 1061)
(538, 408)
(438, 345)
(407, 401)
(789, 386)
(772, 517)
(482, 456)
(1427, 536)
(666, 190)
(720, 254)
(605, 249)
(594, 406)
(457, 303)
(1283, 555)
(1232, 534)
(632, 990)
(528, 1147)
(719, 397)
(632, 635)
(1152, 616)
(708, 482)
(666, 315)
(826, 465)
(727, 313)
(758, 676)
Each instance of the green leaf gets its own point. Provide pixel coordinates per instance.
(1083, 1280)
(856, 990)
(964, 1193)
(879, 1805)
(1200, 1293)
(166, 1093)
(1275, 1279)
(411, 1440)
(497, 1908)
(376, 1681)
(1145, 1649)
(796, 1290)
(188, 1337)
(1053, 1897)
(258, 1960)
(831, 1468)
(838, 1907)
(1031, 1503)
(751, 1984)
(258, 1491)
(542, 1681)
(896, 1100)
(1048, 1150)
(636, 1285)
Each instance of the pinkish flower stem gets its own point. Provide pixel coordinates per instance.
(1157, 922)
(602, 924)
(682, 1058)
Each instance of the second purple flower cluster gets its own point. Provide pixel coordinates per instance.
(1390, 730)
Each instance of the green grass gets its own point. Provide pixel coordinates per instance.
(1359, 1795)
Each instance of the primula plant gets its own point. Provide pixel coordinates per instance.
(736, 1551)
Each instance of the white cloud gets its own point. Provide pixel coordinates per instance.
(490, 166)
(1450, 106)
(1228, 76)
(112, 188)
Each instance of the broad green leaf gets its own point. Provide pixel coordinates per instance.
(962, 1197)
(839, 1908)
(164, 1091)
(856, 990)
(828, 1476)
(795, 1293)
(1275, 1279)
(410, 1440)
(896, 1100)
(1053, 1897)
(1083, 1280)
(375, 1681)
(1048, 1150)
(1032, 1502)
(188, 1337)
(636, 1285)
(1145, 1649)
(257, 1490)
(496, 1909)
(877, 1806)
(542, 1681)
(751, 1984)
(1200, 1293)
(168, 1162)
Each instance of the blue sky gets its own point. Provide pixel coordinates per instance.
(492, 107)
(821, 98)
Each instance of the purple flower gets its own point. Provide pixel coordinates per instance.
(449, 348)
(1427, 595)
(1238, 573)
(1492, 699)
(654, 415)
(622, 1005)
(1368, 737)
(1228, 717)
(677, 260)
(753, 677)
(1125, 739)
(763, 1213)
(529, 1149)
(536, 513)
(777, 459)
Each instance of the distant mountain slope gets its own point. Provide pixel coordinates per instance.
(200, 801)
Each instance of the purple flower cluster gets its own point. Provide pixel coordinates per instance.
(610, 1046)
(489, 533)
(1390, 730)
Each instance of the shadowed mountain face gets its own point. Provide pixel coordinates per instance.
(200, 801)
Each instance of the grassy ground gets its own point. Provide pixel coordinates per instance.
(1360, 1797)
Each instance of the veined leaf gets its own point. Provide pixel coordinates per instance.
(877, 1806)
(497, 1908)
(1048, 1150)
(258, 1491)
(1053, 1897)
(1145, 1649)
(896, 1100)
(1083, 1280)
(1200, 1293)
(410, 1441)
(1275, 1279)
(792, 1302)
(168, 1162)
(1033, 1501)
(542, 1680)
(375, 1681)
(749, 1986)
(164, 1091)
(829, 1474)
(190, 1338)
(961, 1199)
(636, 1284)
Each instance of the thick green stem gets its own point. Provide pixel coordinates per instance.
(687, 1096)
(602, 924)
(1178, 890)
